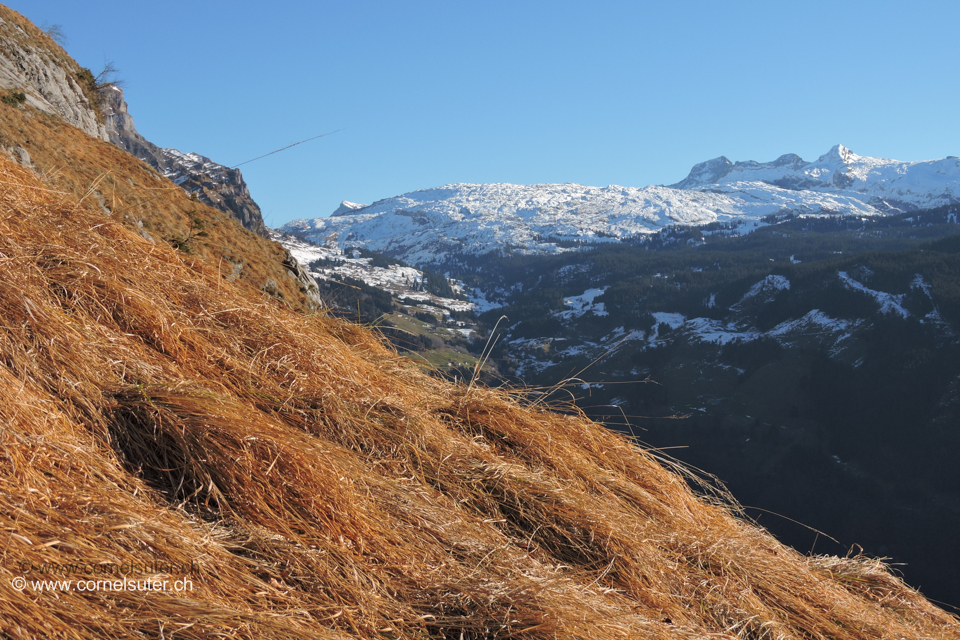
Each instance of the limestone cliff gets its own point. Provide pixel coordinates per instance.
(32, 63)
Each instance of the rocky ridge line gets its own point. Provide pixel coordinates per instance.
(213, 184)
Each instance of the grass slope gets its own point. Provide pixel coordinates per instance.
(324, 487)
(80, 167)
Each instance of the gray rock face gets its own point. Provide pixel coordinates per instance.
(308, 286)
(21, 154)
(31, 62)
(213, 184)
(119, 124)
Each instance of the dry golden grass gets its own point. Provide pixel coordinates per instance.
(82, 167)
(150, 411)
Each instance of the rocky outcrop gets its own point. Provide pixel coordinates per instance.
(120, 128)
(306, 282)
(212, 183)
(32, 63)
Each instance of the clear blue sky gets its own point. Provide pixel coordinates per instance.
(429, 93)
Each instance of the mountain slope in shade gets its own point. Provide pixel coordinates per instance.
(432, 224)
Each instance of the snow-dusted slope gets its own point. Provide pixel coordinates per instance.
(398, 281)
(431, 224)
(347, 207)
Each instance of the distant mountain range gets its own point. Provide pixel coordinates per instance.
(432, 225)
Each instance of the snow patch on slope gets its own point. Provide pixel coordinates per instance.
(814, 320)
(767, 287)
(583, 303)
(395, 279)
(889, 303)
(346, 207)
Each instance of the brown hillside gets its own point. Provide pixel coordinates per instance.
(124, 189)
(321, 485)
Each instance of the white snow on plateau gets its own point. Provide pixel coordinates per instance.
(432, 224)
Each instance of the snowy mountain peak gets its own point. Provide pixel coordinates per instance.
(788, 159)
(346, 208)
(839, 154)
(705, 173)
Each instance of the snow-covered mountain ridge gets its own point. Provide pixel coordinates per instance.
(433, 224)
(888, 185)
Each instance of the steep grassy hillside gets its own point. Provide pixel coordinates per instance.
(318, 485)
(79, 167)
